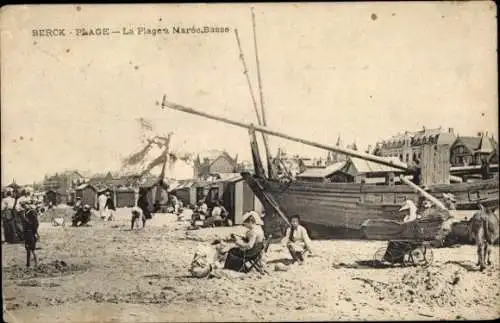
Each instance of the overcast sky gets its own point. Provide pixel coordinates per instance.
(364, 70)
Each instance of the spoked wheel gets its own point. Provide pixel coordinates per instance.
(420, 256)
(382, 257)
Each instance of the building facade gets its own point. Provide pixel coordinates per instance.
(214, 162)
(468, 151)
(408, 146)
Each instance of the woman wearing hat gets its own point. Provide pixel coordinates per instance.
(248, 246)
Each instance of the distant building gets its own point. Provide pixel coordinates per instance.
(111, 180)
(467, 151)
(213, 162)
(63, 184)
(408, 146)
(335, 157)
(245, 166)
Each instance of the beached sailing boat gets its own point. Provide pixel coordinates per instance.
(349, 204)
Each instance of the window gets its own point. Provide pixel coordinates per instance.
(407, 157)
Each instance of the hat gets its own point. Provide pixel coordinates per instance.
(78, 198)
(86, 206)
(255, 215)
(107, 193)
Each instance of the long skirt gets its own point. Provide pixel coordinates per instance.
(237, 257)
(12, 229)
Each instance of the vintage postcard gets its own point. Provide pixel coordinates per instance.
(249, 162)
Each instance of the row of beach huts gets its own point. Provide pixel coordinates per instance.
(229, 188)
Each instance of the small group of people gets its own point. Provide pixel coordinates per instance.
(20, 220)
(82, 213)
(205, 217)
(250, 246)
(106, 206)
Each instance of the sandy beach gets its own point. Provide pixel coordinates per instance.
(105, 272)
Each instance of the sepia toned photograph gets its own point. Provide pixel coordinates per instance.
(261, 162)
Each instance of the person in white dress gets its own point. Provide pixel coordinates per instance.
(102, 200)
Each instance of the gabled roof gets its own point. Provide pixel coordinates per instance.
(364, 166)
(446, 138)
(321, 172)
(213, 154)
(486, 145)
(472, 143)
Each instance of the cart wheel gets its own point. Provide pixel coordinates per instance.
(421, 256)
(381, 257)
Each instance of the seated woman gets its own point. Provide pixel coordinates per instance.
(297, 240)
(218, 215)
(248, 246)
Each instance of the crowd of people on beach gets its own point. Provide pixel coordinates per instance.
(239, 253)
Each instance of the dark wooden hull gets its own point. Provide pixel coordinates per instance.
(421, 230)
(348, 205)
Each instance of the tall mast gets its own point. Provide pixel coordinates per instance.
(166, 153)
(257, 161)
(245, 71)
(259, 78)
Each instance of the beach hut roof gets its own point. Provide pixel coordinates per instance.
(364, 166)
(81, 187)
(322, 172)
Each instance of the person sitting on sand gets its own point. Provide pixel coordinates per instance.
(248, 246)
(297, 240)
(82, 216)
(219, 214)
(202, 207)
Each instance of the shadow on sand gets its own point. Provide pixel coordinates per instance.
(467, 265)
(284, 261)
(363, 264)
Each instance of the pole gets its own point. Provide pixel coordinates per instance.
(263, 112)
(245, 71)
(423, 193)
(346, 151)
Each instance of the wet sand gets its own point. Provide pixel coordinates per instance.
(105, 272)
